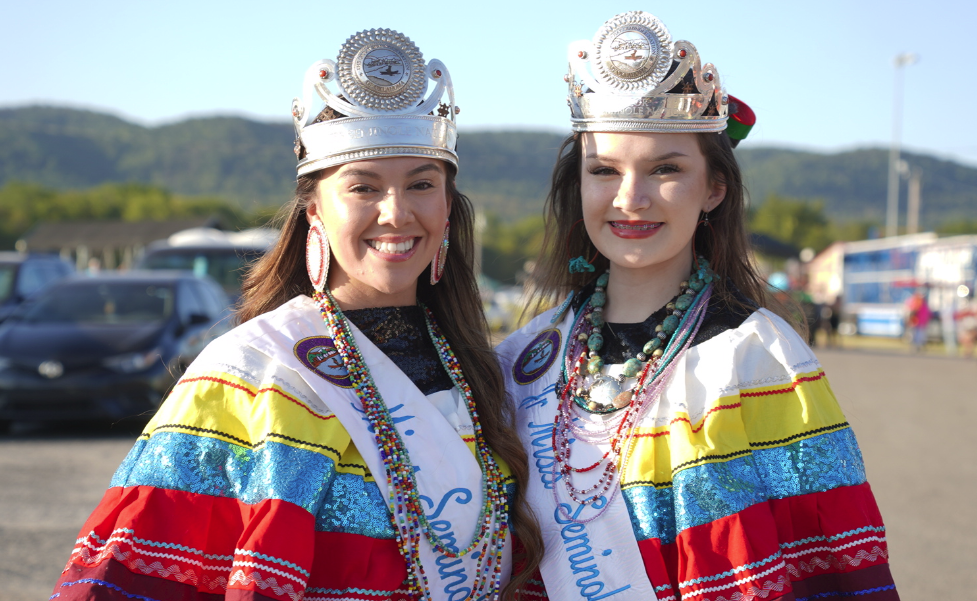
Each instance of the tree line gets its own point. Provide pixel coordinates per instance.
(506, 244)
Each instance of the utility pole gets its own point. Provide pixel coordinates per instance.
(912, 217)
(892, 204)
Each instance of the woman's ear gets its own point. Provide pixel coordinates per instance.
(312, 209)
(717, 193)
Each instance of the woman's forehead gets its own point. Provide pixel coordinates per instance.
(598, 144)
(386, 168)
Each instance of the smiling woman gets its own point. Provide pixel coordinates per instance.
(350, 439)
(686, 443)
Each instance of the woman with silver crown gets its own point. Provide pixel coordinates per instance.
(349, 440)
(684, 441)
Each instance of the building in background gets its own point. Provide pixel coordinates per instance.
(875, 278)
(108, 244)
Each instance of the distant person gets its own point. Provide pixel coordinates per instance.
(830, 321)
(918, 318)
(966, 319)
(684, 441)
(350, 439)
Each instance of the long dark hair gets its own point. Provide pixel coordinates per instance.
(280, 275)
(726, 245)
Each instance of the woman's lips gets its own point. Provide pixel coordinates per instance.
(634, 229)
(395, 250)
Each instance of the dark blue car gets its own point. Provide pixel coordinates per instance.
(105, 346)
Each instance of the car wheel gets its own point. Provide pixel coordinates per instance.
(5, 425)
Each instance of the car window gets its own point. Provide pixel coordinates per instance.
(8, 273)
(208, 300)
(225, 266)
(187, 303)
(102, 302)
(31, 278)
(50, 271)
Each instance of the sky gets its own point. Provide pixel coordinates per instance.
(819, 75)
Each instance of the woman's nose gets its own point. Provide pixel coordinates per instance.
(632, 195)
(395, 209)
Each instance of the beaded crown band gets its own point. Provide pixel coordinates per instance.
(380, 109)
(631, 77)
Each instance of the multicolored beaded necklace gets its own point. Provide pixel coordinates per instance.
(412, 523)
(652, 369)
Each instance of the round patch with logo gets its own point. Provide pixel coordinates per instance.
(537, 357)
(319, 354)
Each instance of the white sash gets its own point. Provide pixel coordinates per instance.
(449, 478)
(594, 561)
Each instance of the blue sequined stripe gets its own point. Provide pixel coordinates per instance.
(841, 594)
(341, 502)
(711, 491)
(107, 585)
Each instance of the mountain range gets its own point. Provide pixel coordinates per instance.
(251, 164)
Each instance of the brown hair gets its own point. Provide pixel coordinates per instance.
(280, 275)
(726, 245)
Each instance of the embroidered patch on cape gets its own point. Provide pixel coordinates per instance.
(319, 354)
(537, 357)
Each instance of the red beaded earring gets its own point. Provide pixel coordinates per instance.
(441, 257)
(317, 255)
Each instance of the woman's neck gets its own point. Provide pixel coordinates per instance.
(634, 294)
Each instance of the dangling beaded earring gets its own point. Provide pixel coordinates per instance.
(440, 257)
(317, 255)
(703, 222)
(579, 264)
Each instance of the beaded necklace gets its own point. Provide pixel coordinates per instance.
(412, 523)
(617, 429)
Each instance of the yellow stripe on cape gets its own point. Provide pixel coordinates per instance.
(219, 405)
(733, 426)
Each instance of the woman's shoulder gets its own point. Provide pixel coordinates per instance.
(235, 362)
(763, 350)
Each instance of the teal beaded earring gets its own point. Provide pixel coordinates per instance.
(580, 264)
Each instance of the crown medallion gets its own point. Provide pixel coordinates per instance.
(632, 51)
(382, 69)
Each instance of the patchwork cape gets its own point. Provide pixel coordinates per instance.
(745, 481)
(257, 480)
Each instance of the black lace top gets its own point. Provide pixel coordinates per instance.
(401, 333)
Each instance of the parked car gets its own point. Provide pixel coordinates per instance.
(23, 274)
(224, 256)
(105, 346)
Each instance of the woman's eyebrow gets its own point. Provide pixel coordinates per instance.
(358, 173)
(664, 157)
(423, 168)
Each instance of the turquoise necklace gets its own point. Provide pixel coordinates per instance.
(600, 393)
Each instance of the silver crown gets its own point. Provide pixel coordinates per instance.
(380, 109)
(631, 77)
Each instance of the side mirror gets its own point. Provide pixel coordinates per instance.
(198, 318)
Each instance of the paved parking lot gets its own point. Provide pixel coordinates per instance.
(913, 416)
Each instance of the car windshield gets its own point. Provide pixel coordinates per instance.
(8, 273)
(225, 266)
(102, 302)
